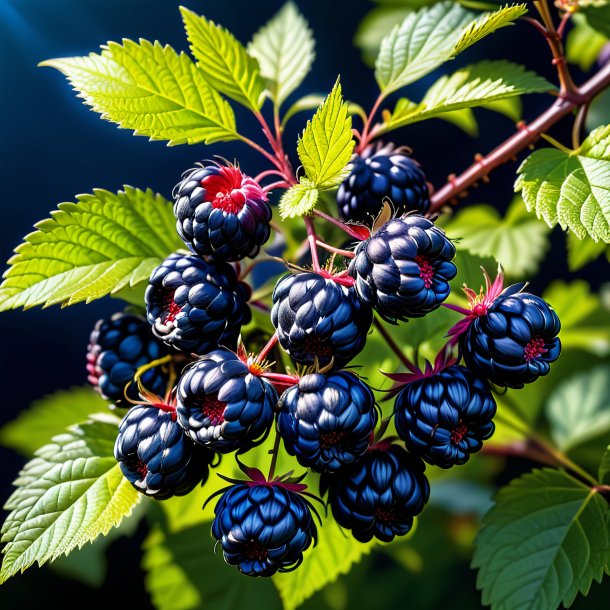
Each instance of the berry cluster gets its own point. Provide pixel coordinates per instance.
(194, 394)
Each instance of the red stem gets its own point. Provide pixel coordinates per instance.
(270, 345)
(526, 135)
(277, 185)
(366, 130)
(269, 172)
(346, 253)
(312, 238)
(351, 231)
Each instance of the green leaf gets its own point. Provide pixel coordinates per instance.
(581, 252)
(431, 36)
(285, 50)
(475, 85)
(545, 540)
(334, 554)
(49, 416)
(599, 111)
(604, 468)
(152, 90)
(583, 43)
(510, 107)
(183, 572)
(464, 119)
(571, 189)
(585, 326)
(224, 61)
(299, 199)
(326, 146)
(69, 494)
(487, 24)
(86, 250)
(579, 408)
(518, 241)
(598, 17)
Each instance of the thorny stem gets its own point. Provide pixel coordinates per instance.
(526, 135)
(312, 239)
(346, 253)
(343, 226)
(391, 343)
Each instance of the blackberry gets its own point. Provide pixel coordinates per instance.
(327, 420)
(222, 405)
(221, 212)
(382, 174)
(315, 316)
(117, 348)
(380, 495)
(155, 455)
(196, 304)
(512, 340)
(403, 270)
(263, 528)
(445, 417)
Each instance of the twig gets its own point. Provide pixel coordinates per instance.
(312, 238)
(391, 343)
(346, 253)
(579, 123)
(274, 452)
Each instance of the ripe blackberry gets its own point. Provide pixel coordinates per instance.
(512, 339)
(316, 316)
(327, 420)
(263, 528)
(382, 174)
(155, 455)
(446, 416)
(196, 305)
(117, 348)
(221, 212)
(224, 406)
(403, 270)
(379, 495)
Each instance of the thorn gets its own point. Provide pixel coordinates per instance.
(485, 178)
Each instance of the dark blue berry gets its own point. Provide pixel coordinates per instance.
(327, 421)
(403, 270)
(263, 528)
(196, 305)
(445, 417)
(155, 455)
(514, 341)
(222, 405)
(117, 348)
(379, 495)
(221, 212)
(317, 317)
(385, 174)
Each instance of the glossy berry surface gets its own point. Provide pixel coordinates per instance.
(403, 270)
(384, 174)
(263, 528)
(514, 341)
(445, 417)
(117, 348)
(317, 317)
(155, 455)
(221, 212)
(222, 405)
(196, 305)
(326, 421)
(379, 496)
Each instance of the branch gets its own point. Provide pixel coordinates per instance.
(526, 135)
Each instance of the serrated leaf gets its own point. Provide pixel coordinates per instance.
(475, 85)
(464, 119)
(510, 107)
(487, 24)
(326, 146)
(583, 43)
(571, 190)
(584, 326)
(334, 554)
(285, 50)
(152, 90)
(224, 61)
(579, 408)
(581, 252)
(49, 416)
(299, 199)
(604, 468)
(543, 542)
(69, 494)
(89, 249)
(517, 241)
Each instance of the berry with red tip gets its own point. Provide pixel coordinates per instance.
(221, 212)
(196, 304)
(403, 270)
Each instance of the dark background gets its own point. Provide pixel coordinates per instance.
(52, 147)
